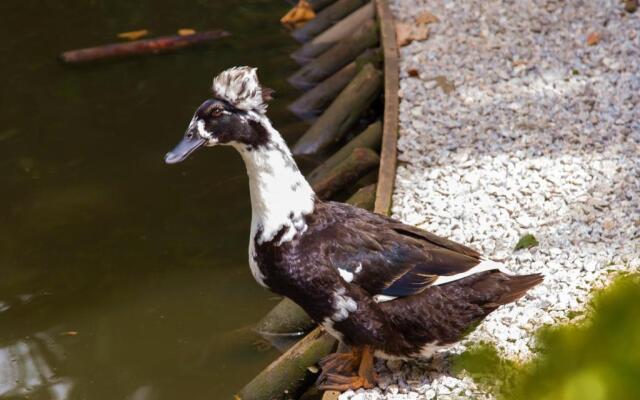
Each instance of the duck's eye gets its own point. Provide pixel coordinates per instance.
(216, 112)
(189, 135)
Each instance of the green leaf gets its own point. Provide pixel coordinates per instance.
(526, 242)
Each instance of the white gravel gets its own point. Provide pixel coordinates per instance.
(540, 135)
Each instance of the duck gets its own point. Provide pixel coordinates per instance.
(383, 288)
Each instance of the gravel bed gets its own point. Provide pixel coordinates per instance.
(511, 123)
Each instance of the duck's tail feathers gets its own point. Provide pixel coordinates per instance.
(517, 286)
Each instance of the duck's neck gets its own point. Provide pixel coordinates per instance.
(280, 195)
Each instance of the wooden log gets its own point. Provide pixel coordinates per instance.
(345, 110)
(313, 102)
(285, 318)
(331, 36)
(358, 164)
(318, 5)
(312, 393)
(369, 138)
(336, 57)
(364, 197)
(368, 179)
(326, 18)
(286, 376)
(148, 46)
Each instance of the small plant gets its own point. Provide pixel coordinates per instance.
(598, 359)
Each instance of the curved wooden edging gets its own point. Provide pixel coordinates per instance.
(388, 152)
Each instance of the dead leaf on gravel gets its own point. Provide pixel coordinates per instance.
(407, 33)
(298, 15)
(426, 18)
(412, 72)
(594, 38)
(446, 85)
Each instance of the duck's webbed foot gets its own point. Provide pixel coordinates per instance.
(340, 363)
(339, 370)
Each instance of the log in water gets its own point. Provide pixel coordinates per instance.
(370, 138)
(285, 318)
(331, 127)
(313, 102)
(158, 45)
(364, 198)
(318, 5)
(331, 36)
(326, 18)
(336, 57)
(287, 375)
(354, 167)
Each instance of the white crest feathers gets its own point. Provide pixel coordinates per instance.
(240, 87)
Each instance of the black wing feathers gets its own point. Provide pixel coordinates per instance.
(386, 256)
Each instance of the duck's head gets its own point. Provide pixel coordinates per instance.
(232, 116)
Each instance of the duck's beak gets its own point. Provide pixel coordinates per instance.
(187, 146)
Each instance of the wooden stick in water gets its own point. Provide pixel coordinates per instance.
(288, 374)
(157, 45)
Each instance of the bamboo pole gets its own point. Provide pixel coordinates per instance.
(148, 46)
(331, 36)
(326, 18)
(336, 57)
(345, 110)
(287, 375)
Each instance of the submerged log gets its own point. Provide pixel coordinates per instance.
(313, 102)
(370, 138)
(285, 318)
(287, 375)
(358, 164)
(326, 18)
(336, 57)
(331, 36)
(148, 46)
(345, 110)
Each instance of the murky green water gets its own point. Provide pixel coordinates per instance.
(121, 277)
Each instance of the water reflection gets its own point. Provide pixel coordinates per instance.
(27, 369)
(121, 278)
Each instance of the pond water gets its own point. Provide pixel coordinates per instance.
(122, 277)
